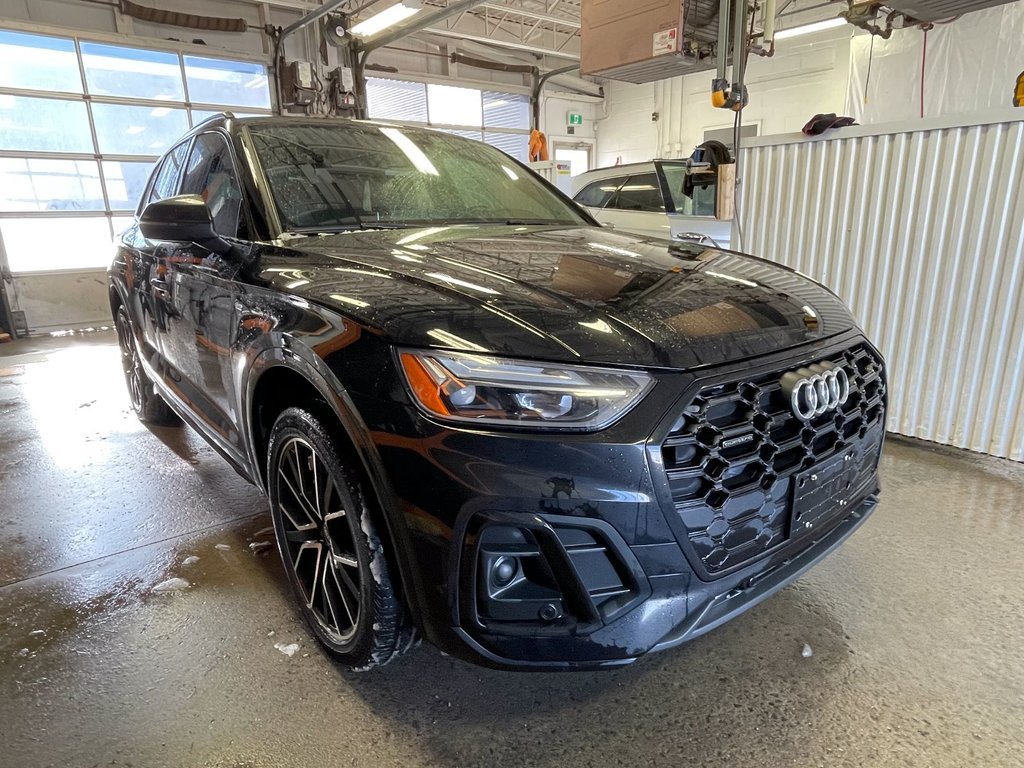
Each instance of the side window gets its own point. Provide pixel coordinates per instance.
(598, 194)
(210, 173)
(166, 179)
(640, 193)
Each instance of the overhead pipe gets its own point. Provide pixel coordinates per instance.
(507, 44)
(310, 17)
(768, 41)
(539, 86)
(723, 41)
(768, 17)
(739, 44)
(452, 9)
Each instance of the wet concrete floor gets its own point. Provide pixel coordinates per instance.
(916, 625)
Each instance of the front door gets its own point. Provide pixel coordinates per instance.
(144, 276)
(201, 330)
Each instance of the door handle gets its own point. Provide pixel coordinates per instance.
(160, 289)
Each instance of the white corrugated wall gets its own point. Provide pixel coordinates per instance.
(921, 231)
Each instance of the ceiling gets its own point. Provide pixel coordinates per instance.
(551, 27)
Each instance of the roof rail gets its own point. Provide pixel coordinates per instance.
(219, 116)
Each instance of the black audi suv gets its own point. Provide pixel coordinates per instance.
(480, 417)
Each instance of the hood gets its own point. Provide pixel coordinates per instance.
(584, 294)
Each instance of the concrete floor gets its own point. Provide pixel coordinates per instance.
(916, 625)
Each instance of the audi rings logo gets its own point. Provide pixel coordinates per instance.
(816, 389)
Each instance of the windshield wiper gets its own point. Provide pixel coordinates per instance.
(363, 226)
(516, 222)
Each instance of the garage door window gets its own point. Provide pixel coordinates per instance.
(75, 156)
(34, 184)
(220, 81)
(498, 118)
(38, 63)
(43, 125)
(114, 71)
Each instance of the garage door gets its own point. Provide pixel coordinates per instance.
(81, 123)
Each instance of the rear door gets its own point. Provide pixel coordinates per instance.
(637, 206)
(200, 292)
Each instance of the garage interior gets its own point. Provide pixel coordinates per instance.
(902, 648)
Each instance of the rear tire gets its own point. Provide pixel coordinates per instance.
(333, 557)
(148, 405)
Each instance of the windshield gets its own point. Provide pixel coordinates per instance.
(336, 176)
(689, 199)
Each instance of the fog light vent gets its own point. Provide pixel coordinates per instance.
(515, 582)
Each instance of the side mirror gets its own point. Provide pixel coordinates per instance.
(182, 219)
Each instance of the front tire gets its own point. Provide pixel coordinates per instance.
(332, 555)
(148, 405)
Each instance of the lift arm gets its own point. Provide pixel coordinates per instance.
(722, 95)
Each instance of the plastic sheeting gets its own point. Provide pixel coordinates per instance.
(971, 66)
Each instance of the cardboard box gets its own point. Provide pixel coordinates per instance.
(615, 33)
(588, 279)
(643, 40)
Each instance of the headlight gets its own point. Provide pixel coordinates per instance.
(490, 390)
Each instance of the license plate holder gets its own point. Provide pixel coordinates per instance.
(823, 490)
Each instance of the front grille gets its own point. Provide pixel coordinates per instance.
(734, 501)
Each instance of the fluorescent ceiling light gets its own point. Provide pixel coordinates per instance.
(349, 300)
(452, 340)
(420, 234)
(730, 278)
(808, 29)
(462, 283)
(411, 151)
(386, 18)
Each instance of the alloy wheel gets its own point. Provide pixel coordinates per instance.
(130, 362)
(318, 539)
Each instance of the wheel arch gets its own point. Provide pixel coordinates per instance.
(115, 298)
(283, 378)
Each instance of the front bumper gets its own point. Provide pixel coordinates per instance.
(674, 612)
(625, 568)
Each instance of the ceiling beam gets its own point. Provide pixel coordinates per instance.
(312, 16)
(538, 17)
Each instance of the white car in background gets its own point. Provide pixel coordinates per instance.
(651, 199)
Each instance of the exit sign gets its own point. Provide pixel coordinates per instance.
(575, 118)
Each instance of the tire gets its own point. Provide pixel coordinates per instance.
(334, 560)
(148, 405)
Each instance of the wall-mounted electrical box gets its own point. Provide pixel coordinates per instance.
(297, 87)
